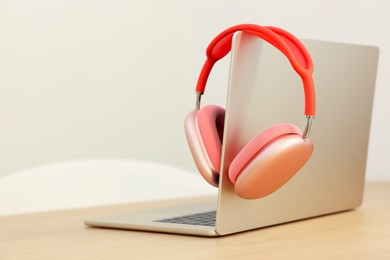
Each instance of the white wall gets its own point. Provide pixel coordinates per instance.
(82, 79)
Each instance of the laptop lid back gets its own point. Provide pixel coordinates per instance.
(265, 90)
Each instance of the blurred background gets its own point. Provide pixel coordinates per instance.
(82, 79)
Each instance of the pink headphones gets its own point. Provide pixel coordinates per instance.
(275, 155)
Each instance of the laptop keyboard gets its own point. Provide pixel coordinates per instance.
(198, 219)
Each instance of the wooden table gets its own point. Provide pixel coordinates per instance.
(359, 234)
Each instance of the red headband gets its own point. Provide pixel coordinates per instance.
(290, 46)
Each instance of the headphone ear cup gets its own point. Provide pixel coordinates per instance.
(211, 121)
(204, 132)
(269, 160)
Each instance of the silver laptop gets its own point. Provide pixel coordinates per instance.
(264, 90)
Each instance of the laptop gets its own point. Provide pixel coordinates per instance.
(264, 90)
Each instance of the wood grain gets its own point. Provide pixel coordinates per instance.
(359, 234)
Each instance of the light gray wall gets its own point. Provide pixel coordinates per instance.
(83, 79)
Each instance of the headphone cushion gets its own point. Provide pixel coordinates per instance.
(257, 144)
(211, 120)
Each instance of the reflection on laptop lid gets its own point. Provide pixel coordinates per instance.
(264, 90)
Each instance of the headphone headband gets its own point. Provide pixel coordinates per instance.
(288, 44)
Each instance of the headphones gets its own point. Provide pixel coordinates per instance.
(273, 156)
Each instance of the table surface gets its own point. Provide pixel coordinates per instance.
(363, 233)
